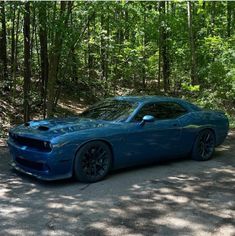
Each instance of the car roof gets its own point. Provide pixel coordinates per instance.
(148, 99)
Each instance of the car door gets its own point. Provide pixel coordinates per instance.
(159, 139)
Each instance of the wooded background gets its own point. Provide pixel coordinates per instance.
(89, 50)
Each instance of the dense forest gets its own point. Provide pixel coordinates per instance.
(84, 51)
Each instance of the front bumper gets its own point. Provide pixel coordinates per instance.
(54, 165)
(39, 176)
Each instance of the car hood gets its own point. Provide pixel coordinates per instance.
(48, 129)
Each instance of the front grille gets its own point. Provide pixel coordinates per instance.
(29, 142)
(30, 164)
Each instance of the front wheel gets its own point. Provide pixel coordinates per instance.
(92, 162)
(204, 146)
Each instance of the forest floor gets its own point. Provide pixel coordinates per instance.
(176, 198)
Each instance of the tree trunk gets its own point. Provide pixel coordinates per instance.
(54, 58)
(107, 47)
(102, 48)
(160, 30)
(72, 52)
(72, 55)
(89, 56)
(13, 43)
(163, 59)
(232, 17)
(43, 53)
(194, 79)
(165, 53)
(3, 44)
(33, 29)
(27, 64)
(14, 65)
(229, 17)
(144, 53)
(127, 29)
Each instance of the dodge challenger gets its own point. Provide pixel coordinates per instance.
(116, 133)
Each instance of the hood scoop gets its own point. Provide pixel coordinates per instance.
(43, 128)
(27, 124)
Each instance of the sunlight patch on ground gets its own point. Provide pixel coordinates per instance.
(72, 106)
(228, 230)
(114, 230)
(11, 211)
(178, 223)
(118, 211)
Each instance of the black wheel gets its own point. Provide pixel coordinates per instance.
(204, 146)
(92, 162)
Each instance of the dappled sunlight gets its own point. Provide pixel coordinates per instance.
(176, 223)
(17, 232)
(12, 212)
(72, 106)
(224, 170)
(107, 229)
(227, 146)
(223, 148)
(118, 211)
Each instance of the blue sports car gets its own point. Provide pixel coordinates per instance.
(115, 133)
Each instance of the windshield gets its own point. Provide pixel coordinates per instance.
(110, 110)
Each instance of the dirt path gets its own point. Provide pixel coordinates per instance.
(177, 198)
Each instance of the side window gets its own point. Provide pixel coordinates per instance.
(148, 109)
(170, 110)
(161, 111)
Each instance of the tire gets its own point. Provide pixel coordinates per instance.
(204, 146)
(92, 162)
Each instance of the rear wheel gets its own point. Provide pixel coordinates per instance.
(92, 162)
(204, 145)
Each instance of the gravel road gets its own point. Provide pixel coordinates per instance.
(176, 198)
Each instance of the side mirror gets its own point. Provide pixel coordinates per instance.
(147, 118)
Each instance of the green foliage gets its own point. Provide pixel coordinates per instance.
(109, 48)
(191, 88)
